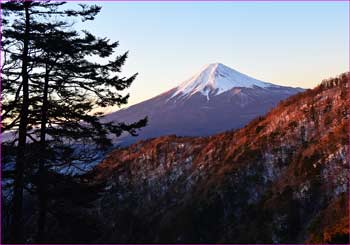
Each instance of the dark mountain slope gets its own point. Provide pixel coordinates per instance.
(281, 179)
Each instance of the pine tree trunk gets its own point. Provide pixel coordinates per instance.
(17, 229)
(42, 191)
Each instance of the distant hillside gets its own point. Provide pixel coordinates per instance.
(283, 178)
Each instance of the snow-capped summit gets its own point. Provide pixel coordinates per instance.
(215, 79)
(216, 99)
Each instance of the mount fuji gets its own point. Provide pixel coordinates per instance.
(215, 79)
(216, 99)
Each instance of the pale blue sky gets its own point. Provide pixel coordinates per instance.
(287, 43)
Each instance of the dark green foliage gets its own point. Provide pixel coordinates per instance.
(274, 135)
(313, 115)
(303, 136)
(328, 121)
(50, 87)
(259, 128)
(328, 106)
(293, 124)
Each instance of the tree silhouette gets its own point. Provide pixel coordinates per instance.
(50, 88)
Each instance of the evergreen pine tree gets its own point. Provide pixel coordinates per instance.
(50, 87)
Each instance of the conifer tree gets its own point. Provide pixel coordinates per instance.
(50, 87)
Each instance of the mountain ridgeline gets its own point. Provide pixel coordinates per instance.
(214, 100)
(283, 178)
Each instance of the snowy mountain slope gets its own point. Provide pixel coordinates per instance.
(283, 178)
(215, 79)
(214, 100)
